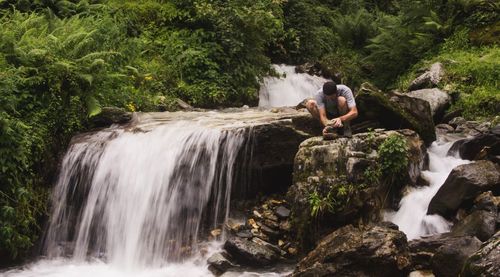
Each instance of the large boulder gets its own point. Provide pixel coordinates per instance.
(464, 183)
(377, 250)
(480, 224)
(438, 100)
(451, 256)
(219, 263)
(395, 111)
(429, 79)
(342, 168)
(485, 261)
(422, 250)
(246, 252)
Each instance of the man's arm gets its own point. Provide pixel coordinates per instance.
(350, 115)
(322, 116)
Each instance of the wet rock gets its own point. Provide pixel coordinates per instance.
(109, 116)
(485, 261)
(451, 256)
(444, 128)
(247, 252)
(429, 79)
(270, 246)
(486, 201)
(269, 215)
(438, 100)
(282, 212)
(480, 224)
(215, 233)
(422, 250)
(271, 224)
(219, 263)
(464, 183)
(471, 148)
(378, 250)
(455, 122)
(244, 234)
(271, 233)
(234, 225)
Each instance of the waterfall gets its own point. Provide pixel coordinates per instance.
(135, 200)
(288, 90)
(412, 216)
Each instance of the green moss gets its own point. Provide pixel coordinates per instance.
(377, 106)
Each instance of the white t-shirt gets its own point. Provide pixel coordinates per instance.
(331, 104)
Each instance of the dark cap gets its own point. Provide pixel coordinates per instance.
(329, 88)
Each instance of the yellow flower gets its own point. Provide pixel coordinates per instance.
(131, 107)
(148, 78)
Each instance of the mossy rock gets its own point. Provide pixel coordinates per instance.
(397, 112)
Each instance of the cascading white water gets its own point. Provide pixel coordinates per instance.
(412, 216)
(134, 201)
(289, 90)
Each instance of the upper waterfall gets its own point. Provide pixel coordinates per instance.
(288, 90)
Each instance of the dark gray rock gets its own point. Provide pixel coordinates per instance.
(483, 146)
(464, 183)
(480, 224)
(378, 250)
(109, 116)
(444, 128)
(219, 263)
(422, 250)
(457, 121)
(244, 234)
(247, 252)
(486, 201)
(485, 261)
(451, 256)
(429, 79)
(282, 212)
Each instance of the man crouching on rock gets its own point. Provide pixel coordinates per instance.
(334, 107)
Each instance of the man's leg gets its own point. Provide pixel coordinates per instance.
(312, 107)
(343, 109)
(342, 105)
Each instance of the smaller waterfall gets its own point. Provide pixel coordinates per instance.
(289, 90)
(412, 216)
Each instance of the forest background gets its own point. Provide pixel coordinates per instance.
(62, 60)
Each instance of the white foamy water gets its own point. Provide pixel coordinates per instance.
(139, 202)
(412, 216)
(289, 90)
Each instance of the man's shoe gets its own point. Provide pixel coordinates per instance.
(347, 132)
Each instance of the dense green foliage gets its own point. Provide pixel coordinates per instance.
(62, 60)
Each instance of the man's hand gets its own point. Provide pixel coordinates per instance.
(326, 130)
(336, 122)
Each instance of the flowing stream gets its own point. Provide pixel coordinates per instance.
(412, 216)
